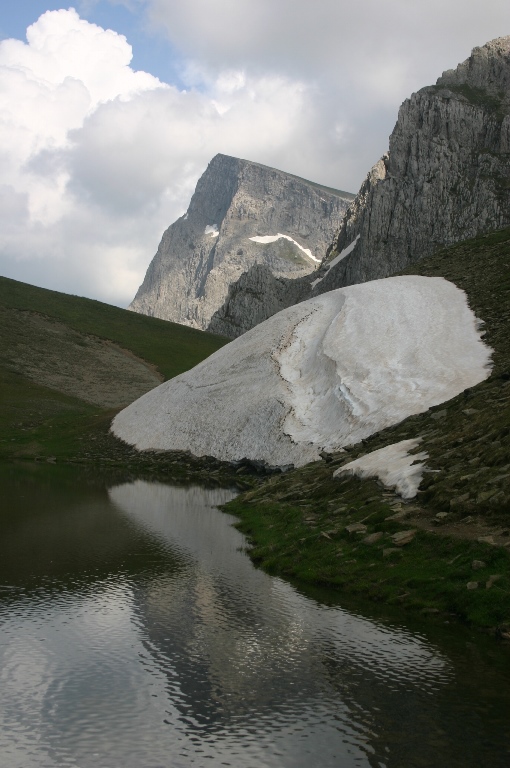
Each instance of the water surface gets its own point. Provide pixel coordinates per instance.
(135, 632)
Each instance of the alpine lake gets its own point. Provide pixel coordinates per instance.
(136, 633)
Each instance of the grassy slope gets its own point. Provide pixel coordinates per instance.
(297, 522)
(37, 421)
(172, 348)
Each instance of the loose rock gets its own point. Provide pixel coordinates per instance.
(356, 528)
(403, 537)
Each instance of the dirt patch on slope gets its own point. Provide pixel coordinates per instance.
(52, 354)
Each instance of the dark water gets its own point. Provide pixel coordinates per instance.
(135, 632)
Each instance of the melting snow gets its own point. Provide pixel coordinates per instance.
(393, 465)
(212, 229)
(279, 236)
(341, 255)
(319, 375)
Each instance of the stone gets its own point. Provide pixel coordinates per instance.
(470, 411)
(403, 537)
(486, 540)
(356, 528)
(373, 538)
(484, 496)
(492, 580)
(390, 551)
(438, 415)
(399, 515)
(472, 585)
(459, 500)
(477, 565)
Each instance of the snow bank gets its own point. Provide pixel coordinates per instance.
(279, 236)
(341, 255)
(393, 465)
(212, 229)
(319, 375)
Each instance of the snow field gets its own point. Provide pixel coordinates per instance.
(319, 375)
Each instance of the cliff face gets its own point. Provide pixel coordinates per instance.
(242, 214)
(445, 178)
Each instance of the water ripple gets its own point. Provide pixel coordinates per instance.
(159, 644)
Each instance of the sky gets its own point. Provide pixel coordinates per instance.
(110, 111)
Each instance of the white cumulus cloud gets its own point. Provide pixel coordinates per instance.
(97, 159)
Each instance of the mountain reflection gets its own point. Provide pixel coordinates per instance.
(241, 645)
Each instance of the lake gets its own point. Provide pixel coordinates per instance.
(136, 632)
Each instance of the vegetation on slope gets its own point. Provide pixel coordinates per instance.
(67, 364)
(457, 556)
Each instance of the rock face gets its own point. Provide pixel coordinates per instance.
(241, 215)
(319, 375)
(445, 178)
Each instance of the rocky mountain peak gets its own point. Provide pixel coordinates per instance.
(242, 214)
(487, 68)
(445, 178)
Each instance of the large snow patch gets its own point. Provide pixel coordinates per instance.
(318, 375)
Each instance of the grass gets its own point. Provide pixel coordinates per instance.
(296, 523)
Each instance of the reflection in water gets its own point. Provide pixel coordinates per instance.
(171, 649)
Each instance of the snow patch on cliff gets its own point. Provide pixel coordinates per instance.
(212, 229)
(341, 255)
(279, 236)
(393, 465)
(319, 375)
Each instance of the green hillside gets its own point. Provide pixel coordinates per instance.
(67, 364)
(172, 348)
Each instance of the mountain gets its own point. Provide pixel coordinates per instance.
(242, 214)
(445, 178)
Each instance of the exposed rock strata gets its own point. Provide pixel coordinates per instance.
(445, 178)
(212, 246)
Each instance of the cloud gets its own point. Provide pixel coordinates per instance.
(96, 159)
(407, 38)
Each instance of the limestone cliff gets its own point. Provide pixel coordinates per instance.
(445, 178)
(242, 215)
